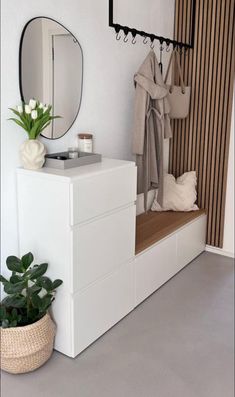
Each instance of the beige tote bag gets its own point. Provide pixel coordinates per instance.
(178, 96)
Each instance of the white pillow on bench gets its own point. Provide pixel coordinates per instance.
(179, 194)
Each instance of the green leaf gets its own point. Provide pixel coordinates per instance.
(19, 123)
(14, 264)
(35, 289)
(15, 279)
(5, 323)
(33, 315)
(45, 126)
(14, 314)
(36, 301)
(46, 302)
(17, 301)
(3, 279)
(13, 323)
(45, 283)
(38, 271)
(3, 312)
(14, 288)
(26, 260)
(56, 284)
(15, 112)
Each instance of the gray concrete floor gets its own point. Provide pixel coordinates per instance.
(178, 343)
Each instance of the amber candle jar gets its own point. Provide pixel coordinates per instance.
(85, 142)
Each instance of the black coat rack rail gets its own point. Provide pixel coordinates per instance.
(134, 32)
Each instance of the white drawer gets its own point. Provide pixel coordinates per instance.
(93, 196)
(154, 267)
(102, 245)
(101, 306)
(191, 241)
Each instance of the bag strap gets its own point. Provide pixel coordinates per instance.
(168, 68)
(175, 54)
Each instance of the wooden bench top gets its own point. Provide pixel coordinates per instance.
(154, 226)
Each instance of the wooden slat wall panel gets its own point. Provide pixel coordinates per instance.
(201, 142)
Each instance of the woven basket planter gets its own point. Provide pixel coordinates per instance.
(24, 349)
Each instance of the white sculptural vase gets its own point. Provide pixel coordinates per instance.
(32, 153)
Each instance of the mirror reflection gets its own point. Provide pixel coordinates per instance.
(51, 69)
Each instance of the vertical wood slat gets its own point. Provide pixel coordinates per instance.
(201, 142)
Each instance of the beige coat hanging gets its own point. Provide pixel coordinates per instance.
(151, 126)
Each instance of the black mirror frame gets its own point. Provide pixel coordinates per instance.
(20, 69)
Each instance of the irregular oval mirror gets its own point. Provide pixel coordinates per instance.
(51, 68)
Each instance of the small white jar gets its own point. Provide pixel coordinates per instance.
(73, 152)
(85, 142)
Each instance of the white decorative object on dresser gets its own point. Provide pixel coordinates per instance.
(82, 221)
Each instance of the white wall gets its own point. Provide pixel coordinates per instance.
(229, 208)
(228, 246)
(107, 103)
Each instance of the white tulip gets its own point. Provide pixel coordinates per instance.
(34, 114)
(45, 109)
(32, 103)
(41, 106)
(20, 109)
(27, 109)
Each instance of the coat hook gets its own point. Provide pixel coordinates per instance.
(180, 50)
(152, 38)
(168, 46)
(125, 38)
(145, 40)
(117, 36)
(133, 40)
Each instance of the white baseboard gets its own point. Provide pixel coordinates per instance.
(219, 251)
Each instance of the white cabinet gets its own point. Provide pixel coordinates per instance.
(82, 222)
(154, 267)
(157, 264)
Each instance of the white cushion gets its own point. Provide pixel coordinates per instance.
(179, 194)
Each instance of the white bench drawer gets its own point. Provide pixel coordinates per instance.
(191, 241)
(102, 245)
(101, 306)
(96, 195)
(154, 267)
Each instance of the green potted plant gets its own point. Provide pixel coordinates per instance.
(27, 330)
(33, 117)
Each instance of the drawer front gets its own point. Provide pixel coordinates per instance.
(99, 247)
(154, 267)
(101, 306)
(95, 195)
(191, 241)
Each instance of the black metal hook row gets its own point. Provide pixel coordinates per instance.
(134, 32)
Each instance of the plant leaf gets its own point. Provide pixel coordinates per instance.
(15, 279)
(19, 123)
(17, 301)
(45, 283)
(14, 288)
(46, 302)
(36, 301)
(35, 289)
(2, 312)
(14, 264)
(13, 323)
(3, 279)
(56, 284)
(5, 323)
(38, 271)
(26, 260)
